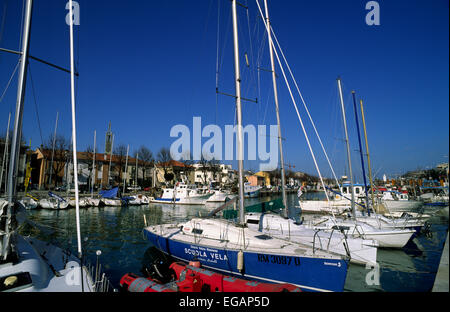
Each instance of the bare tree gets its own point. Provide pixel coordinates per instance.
(214, 166)
(164, 158)
(147, 157)
(60, 157)
(204, 168)
(120, 151)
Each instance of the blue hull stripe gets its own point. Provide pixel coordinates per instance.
(310, 274)
(167, 199)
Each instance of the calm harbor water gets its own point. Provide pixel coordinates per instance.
(117, 232)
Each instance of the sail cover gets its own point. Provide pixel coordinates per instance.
(56, 196)
(109, 193)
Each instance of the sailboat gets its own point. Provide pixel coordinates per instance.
(91, 200)
(236, 249)
(353, 227)
(358, 250)
(26, 263)
(53, 202)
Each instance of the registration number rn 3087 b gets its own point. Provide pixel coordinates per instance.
(282, 260)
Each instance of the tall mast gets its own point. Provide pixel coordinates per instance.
(74, 132)
(17, 132)
(5, 153)
(126, 170)
(136, 175)
(93, 165)
(368, 156)
(239, 115)
(348, 147)
(361, 153)
(275, 91)
(110, 158)
(53, 149)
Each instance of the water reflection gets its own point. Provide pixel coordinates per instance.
(117, 232)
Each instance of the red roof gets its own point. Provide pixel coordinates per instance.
(172, 163)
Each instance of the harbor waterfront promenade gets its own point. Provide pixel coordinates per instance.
(442, 276)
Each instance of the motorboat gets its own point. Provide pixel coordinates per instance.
(251, 191)
(192, 277)
(182, 194)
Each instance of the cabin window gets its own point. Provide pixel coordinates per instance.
(197, 231)
(250, 221)
(344, 189)
(357, 190)
(263, 237)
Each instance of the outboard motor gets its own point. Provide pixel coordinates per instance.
(156, 265)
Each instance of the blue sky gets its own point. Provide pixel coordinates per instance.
(149, 65)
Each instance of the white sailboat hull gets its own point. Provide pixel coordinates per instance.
(386, 238)
(41, 270)
(402, 205)
(111, 202)
(93, 202)
(361, 251)
(47, 203)
(219, 196)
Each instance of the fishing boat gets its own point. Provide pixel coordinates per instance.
(233, 248)
(193, 278)
(183, 194)
(251, 191)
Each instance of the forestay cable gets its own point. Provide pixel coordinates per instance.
(298, 114)
(306, 108)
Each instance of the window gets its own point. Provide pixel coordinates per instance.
(263, 237)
